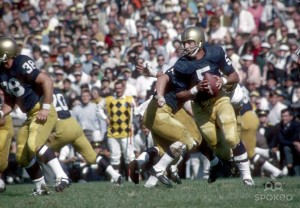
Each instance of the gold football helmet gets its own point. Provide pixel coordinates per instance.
(8, 49)
(192, 33)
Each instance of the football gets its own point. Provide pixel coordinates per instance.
(214, 91)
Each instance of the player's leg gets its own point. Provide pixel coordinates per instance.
(249, 126)
(168, 127)
(138, 165)
(6, 134)
(230, 125)
(84, 147)
(38, 136)
(161, 121)
(31, 166)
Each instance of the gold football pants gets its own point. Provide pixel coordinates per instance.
(68, 131)
(167, 127)
(6, 134)
(249, 126)
(216, 120)
(33, 135)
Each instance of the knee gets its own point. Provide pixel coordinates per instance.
(177, 148)
(32, 147)
(232, 141)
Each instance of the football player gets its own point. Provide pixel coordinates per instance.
(24, 85)
(6, 134)
(248, 123)
(214, 114)
(173, 130)
(68, 131)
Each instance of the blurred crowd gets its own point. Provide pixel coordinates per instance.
(88, 45)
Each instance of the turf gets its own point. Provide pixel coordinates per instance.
(223, 193)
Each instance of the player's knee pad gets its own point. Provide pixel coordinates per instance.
(177, 148)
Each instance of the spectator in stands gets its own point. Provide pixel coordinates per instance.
(119, 115)
(87, 117)
(274, 116)
(250, 70)
(267, 144)
(105, 89)
(288, 134)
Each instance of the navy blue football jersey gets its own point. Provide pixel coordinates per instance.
(19, 82)
(188, 72)
(60, 105)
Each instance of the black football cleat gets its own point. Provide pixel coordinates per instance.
(134, 172)
(175, 177)
(61, 184)
(120, 181)
(161, 177)
(43, 190)
(214, 172)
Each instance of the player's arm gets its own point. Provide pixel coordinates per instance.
(231, 76)
(230, 79)
(186, 95)
(46, 84)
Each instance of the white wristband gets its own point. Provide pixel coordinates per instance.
(1, 114)
(224, 80)
(46, 106)
(194, 90)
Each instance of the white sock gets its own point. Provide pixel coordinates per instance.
(57, 169)
(39, 182)
(179, 160)
(214, 161)
(112, 173)
(151, 182)
(163, 162)
(244, 168)
(142, 159)
(271, 169)
(174, 168)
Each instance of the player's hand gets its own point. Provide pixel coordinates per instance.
(160, 100)
(203, 86)
(42, 115)
(219, 82)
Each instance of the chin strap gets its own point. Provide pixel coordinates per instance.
(192, 52)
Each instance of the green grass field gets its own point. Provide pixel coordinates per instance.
(223, 193)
